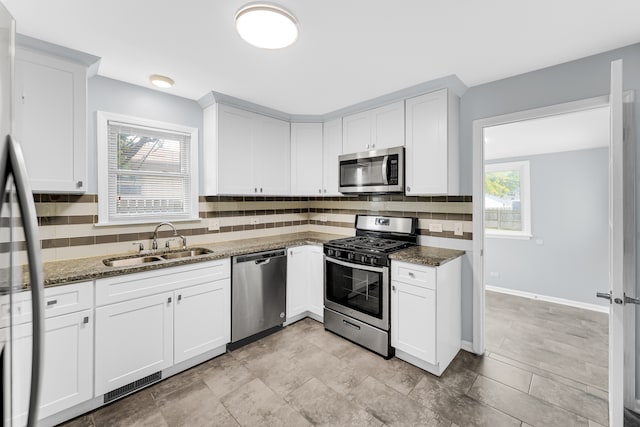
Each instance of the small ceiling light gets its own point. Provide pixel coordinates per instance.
(161, 81)
(266, 25)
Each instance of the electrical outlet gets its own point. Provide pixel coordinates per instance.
(214, 224)
(457, 229)
(435, 228)
(255, 220)
(323, 218)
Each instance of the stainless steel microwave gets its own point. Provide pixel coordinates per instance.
(379, 171)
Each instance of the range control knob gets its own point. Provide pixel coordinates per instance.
(373, 260)
(364, 259)
(338, 254)
(330, 252)
(350, 256)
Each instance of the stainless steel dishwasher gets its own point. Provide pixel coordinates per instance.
(258, 296)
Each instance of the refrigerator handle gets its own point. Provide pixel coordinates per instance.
(16, 166)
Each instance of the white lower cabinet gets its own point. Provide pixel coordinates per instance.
(147, 322)
(426, 314)
(67, 367)
(202, 319)
(305, 282)
(133, 339)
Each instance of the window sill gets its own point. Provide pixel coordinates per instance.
(519, 236)
(146, 221)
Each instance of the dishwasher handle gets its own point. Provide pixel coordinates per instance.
(260, 258)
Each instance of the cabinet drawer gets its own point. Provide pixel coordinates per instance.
(68, 299)
(58, 300)
(122, 288)
(414, 274)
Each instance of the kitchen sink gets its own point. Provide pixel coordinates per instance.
(128, 262)
(186, 253)
(140, 260)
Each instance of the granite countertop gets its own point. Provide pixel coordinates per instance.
(62, 272)
(426, 255)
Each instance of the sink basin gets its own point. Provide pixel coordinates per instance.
(186, 253)
(127, 262)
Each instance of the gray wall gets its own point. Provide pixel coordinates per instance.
(567, 256)
(583, 78)
(114, 96)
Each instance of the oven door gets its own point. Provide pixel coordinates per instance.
(358, 291)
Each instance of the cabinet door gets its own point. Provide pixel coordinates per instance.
(356, 133)
(388, 126)
(50, 106)
(272, 157)
(413, 320)
(297, 281)
(331, 149)
(306, 152)
(133, 339)
(316, 280)
(236, 129)
(68, 363)
(426, 155)
(202, 319)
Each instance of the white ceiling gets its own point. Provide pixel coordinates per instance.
(348, 51)
(581, 130)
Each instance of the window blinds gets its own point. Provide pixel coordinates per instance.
(149, 173)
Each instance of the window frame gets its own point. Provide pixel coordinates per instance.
(102, 128)
(525, 199)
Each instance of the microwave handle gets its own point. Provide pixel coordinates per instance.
(385, 170)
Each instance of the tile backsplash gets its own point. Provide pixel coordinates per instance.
(68, 222)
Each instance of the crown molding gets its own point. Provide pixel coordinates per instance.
(90, 61)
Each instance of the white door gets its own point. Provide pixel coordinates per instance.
(202, 319)
(133, 339)
(621, 258)
(316, 280)
(331, 149)
(388, 126)
(272, 157)
(236, 129)
(306, 155)
(356, 133)
(297, 281)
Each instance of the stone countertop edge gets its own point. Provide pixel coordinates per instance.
(426, 255)
(84, 269)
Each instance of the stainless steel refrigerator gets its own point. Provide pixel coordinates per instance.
(21, 309)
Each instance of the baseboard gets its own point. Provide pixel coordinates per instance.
(571, 303)
(466, 346)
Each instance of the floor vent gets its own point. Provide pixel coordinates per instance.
(131, 387)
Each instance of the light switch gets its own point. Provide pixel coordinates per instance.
(457, 229)
(435, 228)
(214, 224)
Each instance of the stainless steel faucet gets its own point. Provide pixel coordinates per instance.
(154, 245)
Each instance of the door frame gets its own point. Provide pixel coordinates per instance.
(478, 344)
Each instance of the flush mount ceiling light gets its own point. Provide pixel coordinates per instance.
(266, 25)
(161, 81)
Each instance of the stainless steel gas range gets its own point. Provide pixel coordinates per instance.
(356, 280)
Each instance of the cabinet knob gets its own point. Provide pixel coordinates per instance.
(180, 297)
(411, 274)
(52, 302)
(373, 145)
(366, 146)
(291, 253)
(408, 188)
(393, 288)
(255, 190)
(319, 191)
(261, 189)
(169, 300)
(79, 184)
(85, 320)
(325, 190)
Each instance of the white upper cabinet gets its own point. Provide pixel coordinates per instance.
(331, 149)
(431, 156)
(306, 155)
(50, 120)
(245, 153)
(382, 127)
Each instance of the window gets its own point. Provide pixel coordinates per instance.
(147, 170)
(507, 200)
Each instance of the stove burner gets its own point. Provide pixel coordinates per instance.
(368, 243)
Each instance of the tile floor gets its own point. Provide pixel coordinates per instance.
(546, 365)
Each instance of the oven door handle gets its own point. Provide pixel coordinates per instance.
(354, 265)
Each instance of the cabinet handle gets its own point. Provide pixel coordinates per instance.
(366, 146)
(79, 184)
(373, 145)
(408, 188)
(319, 191)
(393, 288)
(169, 300)
(325, 190)
(255, 190)
(180, 297)
(85, 320)
(411, 274)
(261, 189)
(52, 302)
